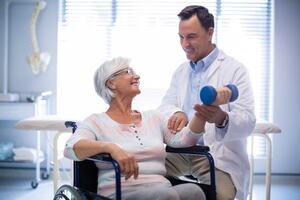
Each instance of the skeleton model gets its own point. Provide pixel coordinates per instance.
(38, 61)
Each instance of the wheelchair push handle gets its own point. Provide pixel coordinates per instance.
(209, 95)
(71, 124)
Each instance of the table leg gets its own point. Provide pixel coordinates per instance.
(56, 176)
(55, 163)
(251, 167)
(37, 161)
(268, 167)
(268, 164)
(48, 154)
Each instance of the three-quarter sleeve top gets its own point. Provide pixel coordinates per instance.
(145, 141)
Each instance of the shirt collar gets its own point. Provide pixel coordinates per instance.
(203, 64)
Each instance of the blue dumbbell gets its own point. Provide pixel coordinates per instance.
(208, 94)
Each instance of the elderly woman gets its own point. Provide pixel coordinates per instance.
(134, 139)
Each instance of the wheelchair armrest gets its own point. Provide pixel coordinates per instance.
(101, 157)
(198, 150)
(187, 150)
(106, 158)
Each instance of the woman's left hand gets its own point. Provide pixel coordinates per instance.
(177, 121)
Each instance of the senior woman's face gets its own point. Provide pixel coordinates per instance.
(127, 81)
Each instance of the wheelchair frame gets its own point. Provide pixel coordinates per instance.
(89, 188)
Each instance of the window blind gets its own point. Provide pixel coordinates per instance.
(244, 31)
(147, 31)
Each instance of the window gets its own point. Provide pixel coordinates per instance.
(147, 31)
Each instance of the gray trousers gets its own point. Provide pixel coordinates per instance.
(198, 166)
(163, 191)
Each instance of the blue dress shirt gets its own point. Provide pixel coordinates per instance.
(197, 80)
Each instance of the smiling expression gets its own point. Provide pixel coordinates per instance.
(195, 40)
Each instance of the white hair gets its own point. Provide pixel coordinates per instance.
(104, 73)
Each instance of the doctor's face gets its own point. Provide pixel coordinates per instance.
(195, 40)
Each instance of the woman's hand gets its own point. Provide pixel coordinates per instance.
(126, 161)
(177, 121)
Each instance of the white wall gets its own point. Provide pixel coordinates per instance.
(286, 84)
(20, 78)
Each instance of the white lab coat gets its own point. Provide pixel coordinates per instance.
(229, 152)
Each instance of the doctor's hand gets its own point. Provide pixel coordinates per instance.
(177, 121)
(210, 113)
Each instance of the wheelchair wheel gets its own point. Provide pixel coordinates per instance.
(67, 192)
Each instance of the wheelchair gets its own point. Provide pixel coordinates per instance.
(85, 175)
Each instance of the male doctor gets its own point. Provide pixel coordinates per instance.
(228, 125)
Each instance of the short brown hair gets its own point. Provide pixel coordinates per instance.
(203, 15)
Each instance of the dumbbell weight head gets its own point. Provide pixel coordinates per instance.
(208, 94)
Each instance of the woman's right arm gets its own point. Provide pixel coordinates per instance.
(85, 148)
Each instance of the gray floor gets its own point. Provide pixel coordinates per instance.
(15, 185)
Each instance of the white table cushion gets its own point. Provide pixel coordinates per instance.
(47, 122)
(266, 127)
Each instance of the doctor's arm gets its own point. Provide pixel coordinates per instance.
(241, 117)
